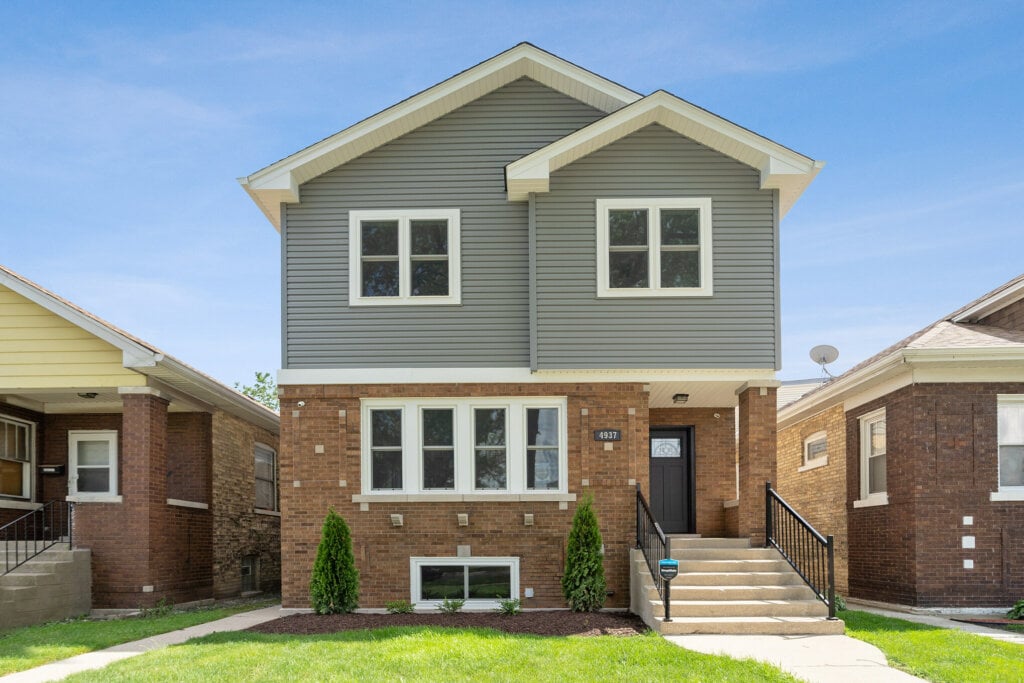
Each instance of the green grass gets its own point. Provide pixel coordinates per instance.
(428, 654)
(937, 654)
(30, 646)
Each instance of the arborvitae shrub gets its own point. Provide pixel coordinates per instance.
(583, 582)
(334, 586)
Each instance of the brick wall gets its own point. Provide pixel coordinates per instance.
(1009, 318)
(756, 456)
(188, 456)
(818, 494)
(238, 531)
(431, 529)
(714, 461)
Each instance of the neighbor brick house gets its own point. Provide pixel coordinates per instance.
(914, 460)
(171, 475)
(521, 285)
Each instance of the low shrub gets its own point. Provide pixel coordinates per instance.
(840, 603)
(399, 607)
(1017, 611)
(451, 606)
(510, 607)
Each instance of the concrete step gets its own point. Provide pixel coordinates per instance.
(692, 554)
(733, 566)
(750, 626)
(791, 591)
(29, 578)
(783, 578)
(743, 608)
(696, 542)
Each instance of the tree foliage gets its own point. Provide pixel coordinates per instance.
(334, 587)
(264, 390)
(583, 582)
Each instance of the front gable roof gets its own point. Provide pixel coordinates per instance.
(781, 168)
(280, 181)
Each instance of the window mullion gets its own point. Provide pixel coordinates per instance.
(404, 257)
(412, 446)
(654, 244)
(516, 445)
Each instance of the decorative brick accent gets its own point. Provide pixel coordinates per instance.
(757, 456)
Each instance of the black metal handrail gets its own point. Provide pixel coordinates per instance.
(811, 554)
(34, 533)
(651, 540)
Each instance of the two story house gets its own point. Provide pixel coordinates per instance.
(518, 286)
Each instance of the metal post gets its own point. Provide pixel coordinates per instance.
(767, 514)
(831, 577)
(668, 584)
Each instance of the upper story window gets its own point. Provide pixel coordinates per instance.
(654, 247)
(92, 456)
(400, 258)
(815, 451)
(1011, 447)
(16, 451)
(266, 477)
(465, 445)
(873, 480)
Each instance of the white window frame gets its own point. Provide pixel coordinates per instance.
(1005, 493)
(108, 496)
(412, 445)
(880, 497)
(820, 461)
(404, 218)
(654, 206)
(277, 495)
(415, 580)
(28, 466)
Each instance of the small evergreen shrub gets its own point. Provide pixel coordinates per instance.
(399, 607)
(451, 606)
(583, 583)
(1017, 611)
(510, 607)
(840, 603)
(334, 586)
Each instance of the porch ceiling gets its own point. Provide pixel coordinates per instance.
(701, 394)
(68, 401)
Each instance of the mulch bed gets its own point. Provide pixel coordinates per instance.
(556, 623)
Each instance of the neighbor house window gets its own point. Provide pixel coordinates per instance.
(1011, 446)
(266, 477)
(92, 456)
(16, 455)
(815, 451)
(480, 581)
(873, 484)
(465, 445)
(654, 247)
(404, 257)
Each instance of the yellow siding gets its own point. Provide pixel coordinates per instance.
(41, 350)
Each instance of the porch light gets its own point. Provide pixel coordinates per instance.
(680, 398)
(88, 394)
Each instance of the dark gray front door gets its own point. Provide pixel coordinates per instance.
(672, 486)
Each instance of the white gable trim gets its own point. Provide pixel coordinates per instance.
(990, 304)
(781, 168)
(280, 181)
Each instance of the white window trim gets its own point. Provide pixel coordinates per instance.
(404, 298)
(412, 469)
(1005, 493)
(277, 483)
(654, 206)
(414, 578)
(881, 497)
(821, 460)
(109, 496)
(28, 473)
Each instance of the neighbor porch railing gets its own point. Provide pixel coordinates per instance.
(811, 554)
(651, 540)
(33, 533)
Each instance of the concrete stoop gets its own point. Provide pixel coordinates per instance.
(56, 584)
(726, 587)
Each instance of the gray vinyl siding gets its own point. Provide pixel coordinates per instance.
(735, 328)
(455, 162)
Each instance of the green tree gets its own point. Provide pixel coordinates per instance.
(334, 587)
(583, 582)
(264, 390)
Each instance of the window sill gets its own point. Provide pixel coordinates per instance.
(79, 498)
(1006, 495)
(654, 293)
(735, 503)
(813, 465)
(406, 301)
(463, 497)
(268, 513)
(19, 505)
(187, 504)
(872, 501)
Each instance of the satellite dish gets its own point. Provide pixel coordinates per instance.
(823, 354)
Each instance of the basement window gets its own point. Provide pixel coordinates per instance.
(481, 581)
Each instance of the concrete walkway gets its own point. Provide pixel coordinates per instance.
(941, 620)
(97, 660)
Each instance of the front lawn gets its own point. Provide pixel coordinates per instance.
(937, 654)
(429, 654)
(30, 646)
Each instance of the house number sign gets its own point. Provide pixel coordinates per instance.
(607, 435)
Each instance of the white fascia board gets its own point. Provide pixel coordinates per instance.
(966, 355)
(991, 304)
(310, 376)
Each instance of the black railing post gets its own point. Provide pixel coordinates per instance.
(831, 576)
(767, 514)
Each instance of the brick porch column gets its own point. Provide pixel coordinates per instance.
(757, 454)
(143, 488)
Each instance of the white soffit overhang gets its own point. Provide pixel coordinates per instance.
(781, 168)
(989, 304)
(280, 181)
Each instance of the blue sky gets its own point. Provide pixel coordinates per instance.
(123, 127)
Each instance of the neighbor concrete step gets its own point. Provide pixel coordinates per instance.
(744, 608)
(29, 578)
(750, 626)
(691, 554)
(691, 542)
(736, 592)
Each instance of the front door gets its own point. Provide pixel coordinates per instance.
(672, 486)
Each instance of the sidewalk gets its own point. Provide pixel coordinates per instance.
(56, 671)
(939, 619)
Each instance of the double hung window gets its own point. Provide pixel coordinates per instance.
(1011, 447)
(266, 477)
(873, 479)
(16, 450)
(93, 459)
